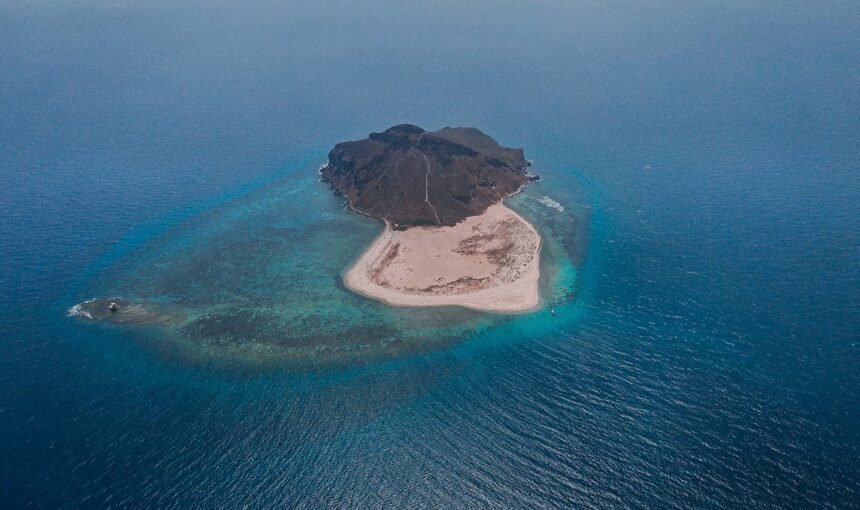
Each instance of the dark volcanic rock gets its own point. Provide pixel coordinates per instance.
(414, 177)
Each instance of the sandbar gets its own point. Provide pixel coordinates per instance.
(488, 262)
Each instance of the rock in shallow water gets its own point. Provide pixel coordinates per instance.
(116, 310)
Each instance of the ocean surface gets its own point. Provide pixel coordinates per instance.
(700, 207)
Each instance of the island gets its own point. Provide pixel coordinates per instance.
(448, 239)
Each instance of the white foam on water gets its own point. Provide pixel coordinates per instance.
(77, 311)
(551, 203)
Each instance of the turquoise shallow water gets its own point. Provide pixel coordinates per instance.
(257, 279)
(705, 352)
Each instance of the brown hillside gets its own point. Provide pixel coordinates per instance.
(415, 177)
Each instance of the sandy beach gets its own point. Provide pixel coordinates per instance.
(487, 262)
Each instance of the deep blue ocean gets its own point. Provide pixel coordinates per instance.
(705, 270)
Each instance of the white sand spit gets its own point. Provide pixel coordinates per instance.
(489, 262)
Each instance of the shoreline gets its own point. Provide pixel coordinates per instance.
(499, 272)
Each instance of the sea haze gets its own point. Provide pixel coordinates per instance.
(699, 201)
